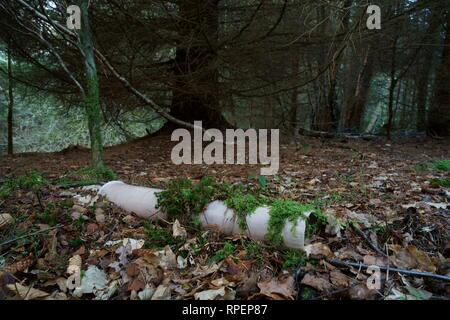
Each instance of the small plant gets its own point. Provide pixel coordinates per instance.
(262, 180)
(48, 216)
(33, 181)
(443, 183)
(254, 251)
(157, 238)
(80, 221)
(228, 250)
(75, 242)
(292, 259)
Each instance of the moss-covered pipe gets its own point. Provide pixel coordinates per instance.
(143, 202)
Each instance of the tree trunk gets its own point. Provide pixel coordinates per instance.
(195, 88)
(356, 107)
(424, 74)
(10, 104)
(439, 117)
(92, 99)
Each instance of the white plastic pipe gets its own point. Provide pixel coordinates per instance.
(142, 201)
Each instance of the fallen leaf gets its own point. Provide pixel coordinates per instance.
(178, 231)
(318, 251)
(223, 293)
(27, 293)
(285, 289)
(317, 282)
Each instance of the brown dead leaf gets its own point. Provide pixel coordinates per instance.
(319, 282)
(339, 279)
(284, 289)
(412, 258)
(318, 251)
(361, 292)
(178, 231)
(27, 293)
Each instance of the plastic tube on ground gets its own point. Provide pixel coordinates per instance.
(143, 202)
(140, 200)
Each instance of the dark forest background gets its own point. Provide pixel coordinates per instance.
(305, 67)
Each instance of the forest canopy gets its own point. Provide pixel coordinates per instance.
(309, 65)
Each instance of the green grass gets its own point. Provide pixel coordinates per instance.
(441, 182)
(227, 250)
(31, 181)
(292, 259)
(157, 238)
(65, 183)
(440, 165)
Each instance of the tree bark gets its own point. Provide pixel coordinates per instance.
(10, 104)
(439, 116)
(196, 88)
(356, 107)
(92, 99)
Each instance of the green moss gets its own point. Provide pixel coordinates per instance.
(242, 206)
(315, 221)
(183, 198)
(282, 211)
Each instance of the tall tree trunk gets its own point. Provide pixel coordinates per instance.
(425, 72)
(393, 84)
(439, 116)
(356, 107)
(92, 99)
(10, 104)
(196, 89)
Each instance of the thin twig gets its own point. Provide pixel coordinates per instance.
(409, 272)
(30, 234)
(374, 246)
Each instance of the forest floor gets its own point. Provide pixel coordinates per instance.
(386, 203)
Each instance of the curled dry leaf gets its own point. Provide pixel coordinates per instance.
(178, 231)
